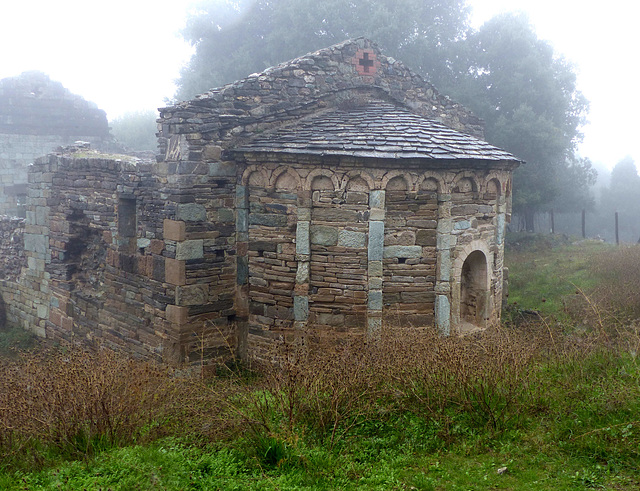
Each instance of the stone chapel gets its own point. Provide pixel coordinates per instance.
(334, 195)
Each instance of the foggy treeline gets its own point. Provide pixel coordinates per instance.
(617, 191)
(524, 91)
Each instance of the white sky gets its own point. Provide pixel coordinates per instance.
(125, 55)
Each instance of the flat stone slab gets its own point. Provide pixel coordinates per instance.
(406, 252)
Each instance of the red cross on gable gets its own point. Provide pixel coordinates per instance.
(366, 62)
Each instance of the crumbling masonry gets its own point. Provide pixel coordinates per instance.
(328, 196)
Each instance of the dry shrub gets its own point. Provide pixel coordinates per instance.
(328, 391)
(331, 391)
(483, 376)
(619, 273)
(609, 314)
(79, 402)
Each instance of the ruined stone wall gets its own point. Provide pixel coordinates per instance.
(11, 247)
(12, 260)
(95, 270)
(37, 115)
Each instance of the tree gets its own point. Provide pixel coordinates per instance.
(235, 39)
(622, 196)
(526, 94)
(529, 101)
(136, 130)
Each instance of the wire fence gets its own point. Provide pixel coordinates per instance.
(616, 227)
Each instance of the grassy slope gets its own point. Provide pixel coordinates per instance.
(544, 272)
(579, 430)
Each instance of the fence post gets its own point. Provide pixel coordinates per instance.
(553, 223)
(584, 223)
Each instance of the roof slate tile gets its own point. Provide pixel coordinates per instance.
(378, 130)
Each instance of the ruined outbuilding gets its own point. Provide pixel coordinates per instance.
(330, 196)
(37, 115)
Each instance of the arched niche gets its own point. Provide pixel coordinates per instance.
(464, 185)
(471, 302)
(357, 190)
(429, 185)
(255, 176)
(474, 289)
(322, 183)
(396, 189)
(285, 180)
(358, 183)
(493, 189)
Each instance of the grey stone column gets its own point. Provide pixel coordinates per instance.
(242, 268)
(303, 258)
(445, 241)
(375, 254)
(499, 270)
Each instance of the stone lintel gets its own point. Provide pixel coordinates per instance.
(191, 212)
(409, 252)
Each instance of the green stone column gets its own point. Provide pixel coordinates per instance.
(445, 242)
(375, 255)
(303, 258)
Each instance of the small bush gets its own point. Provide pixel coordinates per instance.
(619, 273)
(80, 402)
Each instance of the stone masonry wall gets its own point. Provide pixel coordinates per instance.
(341, 247)
(95, 266)
(199, 181)
(12, 260)
(11, 247)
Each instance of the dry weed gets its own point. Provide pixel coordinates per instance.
(80, 402)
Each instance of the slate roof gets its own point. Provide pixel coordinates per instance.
(375, 130)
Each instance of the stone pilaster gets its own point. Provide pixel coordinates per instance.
(375, 255)
(242, 268)
(303, 258)
(445, 242)
(499, 270)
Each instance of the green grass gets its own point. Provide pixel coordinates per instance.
(13, 340)
(543, 274)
